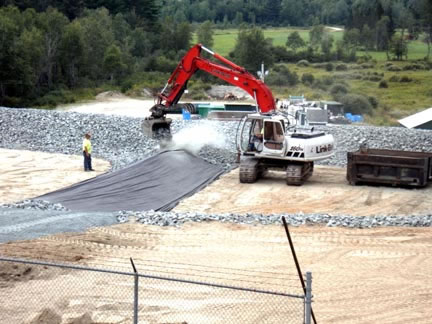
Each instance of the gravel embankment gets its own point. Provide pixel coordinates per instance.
(116, 139)
(348, 138)
(120, 141)
(176, 219)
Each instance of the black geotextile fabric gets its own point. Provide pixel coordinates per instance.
(157, 183)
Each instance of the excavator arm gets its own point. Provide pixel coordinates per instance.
(177, 83)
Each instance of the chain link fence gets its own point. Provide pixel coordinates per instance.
(39, 292)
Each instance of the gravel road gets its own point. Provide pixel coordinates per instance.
(22, 224)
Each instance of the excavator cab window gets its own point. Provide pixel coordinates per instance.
(256, 136)
(257, 129)
(273, 135)
(245, 135)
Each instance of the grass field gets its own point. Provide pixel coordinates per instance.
(224, 41)
(400, 99)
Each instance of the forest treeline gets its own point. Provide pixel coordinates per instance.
(349, 13)
(51, 46)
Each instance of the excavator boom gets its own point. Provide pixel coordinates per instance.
(177, 83)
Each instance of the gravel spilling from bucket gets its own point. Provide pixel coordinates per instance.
(176, 219)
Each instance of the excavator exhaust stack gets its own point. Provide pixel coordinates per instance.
(157, 127)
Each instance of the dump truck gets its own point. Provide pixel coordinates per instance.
(389, 167)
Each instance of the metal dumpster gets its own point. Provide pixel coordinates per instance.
(396, 168)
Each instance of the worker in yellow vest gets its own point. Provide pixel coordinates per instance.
(87, 149)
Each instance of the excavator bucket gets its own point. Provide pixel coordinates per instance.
(157, 127)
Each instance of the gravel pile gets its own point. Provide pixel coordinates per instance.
(117, 139)
(176, 219)
(349, 137)
(120, 140)
(35, 205)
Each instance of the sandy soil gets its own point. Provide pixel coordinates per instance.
(333, 29)
(122, 106)
(27, 174)
(359, 276)
(109, 103)
(327, 191)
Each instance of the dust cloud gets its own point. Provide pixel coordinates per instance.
(194, 138)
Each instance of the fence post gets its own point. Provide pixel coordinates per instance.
(308, 298)
(135, 320)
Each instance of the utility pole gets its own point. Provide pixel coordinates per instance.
(262, 73)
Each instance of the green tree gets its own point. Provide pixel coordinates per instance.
(426, 19)
(9, 67)
(271, 11)
(293, 12)
(282, 76)
(72, 51)
(225, 23)
(315, 36)
(351, 40)
(326, 45)
(252, 18)
(31, 48)
(367, 38)
(142, 42)
(205, 34)
(356, 104)
(336, 13)
(340, 50)
(98, 36)
(52, 23)
(245, 51)
(121, 29)
(238, 19)
(398, 47)
(383, 35)
(404, 20)
(113, 63)
(175, 37)
(199, 11)
(295, 41)
(73, 8)
(183, 36)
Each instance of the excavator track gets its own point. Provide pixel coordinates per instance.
(297, 174)
(249, 170)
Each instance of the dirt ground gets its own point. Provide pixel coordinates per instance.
(327, 191)
(380, 275)
(27, 174)
(359, 275)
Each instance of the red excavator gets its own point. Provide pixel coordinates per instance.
(167, 100)
(265, 140)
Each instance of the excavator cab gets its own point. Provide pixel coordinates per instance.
(260, 134)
